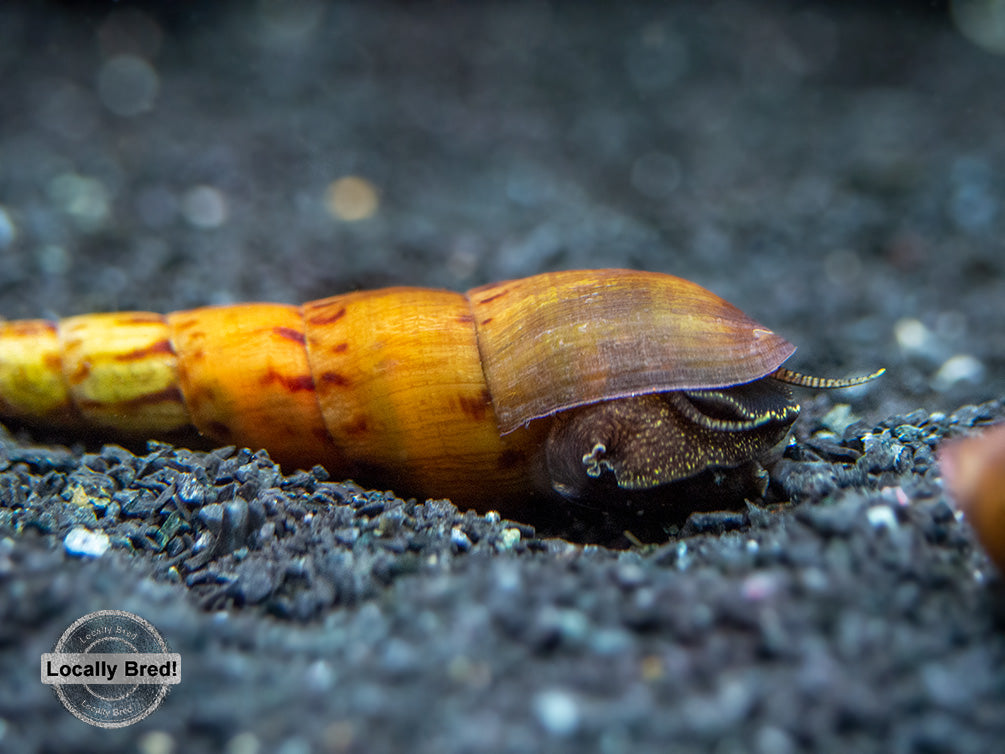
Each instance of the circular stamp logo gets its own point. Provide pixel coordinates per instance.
(111, 668)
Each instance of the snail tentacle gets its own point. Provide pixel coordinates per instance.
(735, 410)
(822, 383)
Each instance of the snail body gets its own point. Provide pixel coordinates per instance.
(569, 383)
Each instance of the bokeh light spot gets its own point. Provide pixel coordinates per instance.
(204, 207)
(53, 259)
(83, 198)
(352, 198)
(289, 21)
(982, 22)
(128, 85)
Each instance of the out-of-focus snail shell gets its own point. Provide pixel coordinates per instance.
(974, 471)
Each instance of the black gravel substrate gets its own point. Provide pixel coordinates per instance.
(833, 169)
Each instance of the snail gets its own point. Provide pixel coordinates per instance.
(575, 385)
(974, 471)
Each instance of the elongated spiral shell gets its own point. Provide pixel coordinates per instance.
(433, 392)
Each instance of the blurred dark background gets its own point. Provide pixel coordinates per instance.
(832, 169)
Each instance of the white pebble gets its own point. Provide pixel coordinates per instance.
(320, 676)
(913, 337)
(881, 516)
(683, 556)
(839, 418)
(510, 538)
(558, 712)
(156, 742)
(459, 539)
(243, 743)
(959, 368)
(759, 587)
(205, 540)
(86, 543)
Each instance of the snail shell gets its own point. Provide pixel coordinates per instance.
(569, 382)
(974, 470)
(566, 339)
